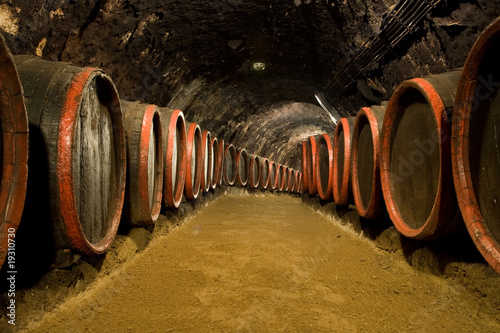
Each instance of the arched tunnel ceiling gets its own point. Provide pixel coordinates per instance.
(196, 56)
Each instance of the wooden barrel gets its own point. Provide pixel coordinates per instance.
(76, 115)
(300, 189)
(242, 167)
(265, 174)
(475, 144)
(174, 156)
(365, 177)
(194, 162)
(296, 180)
(143, 134)
(273, 171)
(208, 161)
(279, 177)
(324, 167)
(230, 165)
(311, 165)
(415, 157)
(342, 192)
(284, 178)
(219, 162)
(13, 149)
(216, 165)
(291, 180)
(306, 146)
(255, 171)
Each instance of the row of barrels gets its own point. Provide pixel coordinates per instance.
(430, 157)
(97, 161)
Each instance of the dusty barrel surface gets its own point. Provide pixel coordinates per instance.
(208, 160)
(273, 171)
(75, 114)
(216, 165)
(230, 168)
(312, 147)
(342, 161)
(365, 178)
(305, 152)
(242, 167)
(255, 171)
(415, 157)
(265, 174)
(174, 156)
(143, 134)
(324, 167)
(13, 149)
(475, 144)
(194, 162)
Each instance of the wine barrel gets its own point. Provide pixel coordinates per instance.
(306, 146)
(296, 181)
(13, 149)
(300, 190)
(220, 162)
(230, 165)
(242, 167)
(194, 162)
(208, 161)
(255, 171)
(284, 178)
(265, 174)
(291, 180)
(324, 167)
(475, 144)
(311, 165)
(273, 171)
(216, 165)
(76, 114)
(415, 157)
(365, 177)
(279, 177)
(174, 156)
(144, 188)
(342, 161)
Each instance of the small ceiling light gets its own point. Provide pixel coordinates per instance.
(258, 66)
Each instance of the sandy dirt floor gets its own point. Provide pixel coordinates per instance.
(268, 264)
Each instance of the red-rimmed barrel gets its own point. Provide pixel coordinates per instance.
(208, 160)
(284, 178)
(324, 167)
(291, 180)
(415, 157)
(475, 144)
(13, 149)
(143, 134)
(312, 148)
(342, 161)
(273, 171)
(194, 162)
(75, 113)
(255, 171)
(306, 146)
(279, 177)
(265, 174)
(174, 156)
(365, 178)
(242, 167)
(216, 164)
(219, 170)
(230, 168)
(296, 180)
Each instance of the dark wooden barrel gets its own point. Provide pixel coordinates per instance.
(194, 162)
(143, 134)
(416, 157)
(208, 161)
(300, 190)
(324, 167)
(215, 163)
(13, 149)
(475, 144)
(265, 174)
(291, 180)
(174, 156)
(312, 148)
(284, 178)
(219, 162)
(230, 168)
(255, 171)
(342, 192)
(242, 167)
(365, 178)
(273, 171)
(279, 177)
(306, 146)
(296, 180)
(76, 115)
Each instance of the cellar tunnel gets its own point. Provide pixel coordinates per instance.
(265, 76)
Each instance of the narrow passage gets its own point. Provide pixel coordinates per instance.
(267, 264)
